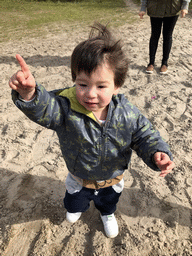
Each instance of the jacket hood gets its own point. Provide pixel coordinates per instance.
(70, 93)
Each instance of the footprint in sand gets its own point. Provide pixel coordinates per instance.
(42, 144)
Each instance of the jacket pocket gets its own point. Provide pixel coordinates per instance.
(119, 186)
(72, 185)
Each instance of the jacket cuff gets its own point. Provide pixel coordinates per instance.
(185, 5)
(143, 6)
(19, 102)
(20, 98)
(143, 9)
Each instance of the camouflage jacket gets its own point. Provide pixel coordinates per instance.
(93, 151)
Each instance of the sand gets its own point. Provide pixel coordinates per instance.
(154, 213)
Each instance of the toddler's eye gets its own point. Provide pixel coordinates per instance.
(82, 85)
(101, 86)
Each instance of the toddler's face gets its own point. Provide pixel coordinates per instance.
(95, 91)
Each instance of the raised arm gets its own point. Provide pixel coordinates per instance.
(147, 141)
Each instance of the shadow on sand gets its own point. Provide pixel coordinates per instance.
(39, 60)
(26, 197)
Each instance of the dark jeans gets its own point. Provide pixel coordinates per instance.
(168, 24)
(105, 200)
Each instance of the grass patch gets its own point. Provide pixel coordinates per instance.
(137, 2)
(24, 18)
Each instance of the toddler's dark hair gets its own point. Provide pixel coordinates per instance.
(91, 53)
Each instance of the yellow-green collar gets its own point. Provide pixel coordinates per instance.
(70, 93)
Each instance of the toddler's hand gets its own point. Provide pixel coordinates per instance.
(23, 81)
(141, 14)
(164, 163)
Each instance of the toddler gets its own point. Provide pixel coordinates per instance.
(97, 127)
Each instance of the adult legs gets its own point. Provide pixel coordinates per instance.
(168, 27)
(156, 24)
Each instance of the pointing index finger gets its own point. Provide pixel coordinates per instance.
(22, 64)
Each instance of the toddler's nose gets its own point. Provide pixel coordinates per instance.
(91, 93)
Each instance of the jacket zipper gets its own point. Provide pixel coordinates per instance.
(103, 135)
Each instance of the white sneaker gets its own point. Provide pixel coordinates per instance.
(110, 225)
(73, 217)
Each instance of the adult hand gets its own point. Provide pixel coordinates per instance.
(23, 81)
(164, 163)
(141, 14)
(183, 13)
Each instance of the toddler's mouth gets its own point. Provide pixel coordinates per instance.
(91, 103)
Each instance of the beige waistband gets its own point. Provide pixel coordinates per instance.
(103, 184)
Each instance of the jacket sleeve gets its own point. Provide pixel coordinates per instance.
(146, 142)
(45, 109)
(143, 6)
(185, 5)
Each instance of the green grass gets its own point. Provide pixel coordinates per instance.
(24, 18)
(137, 2)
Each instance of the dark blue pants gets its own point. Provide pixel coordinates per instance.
(168, 24)
(105, 200)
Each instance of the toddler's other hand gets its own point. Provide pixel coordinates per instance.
(164, 163)
(23, 81)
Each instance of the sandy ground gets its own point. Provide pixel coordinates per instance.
(154, 214)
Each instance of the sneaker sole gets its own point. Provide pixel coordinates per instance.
(113, 236)
(149, 72)
(164, 73)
